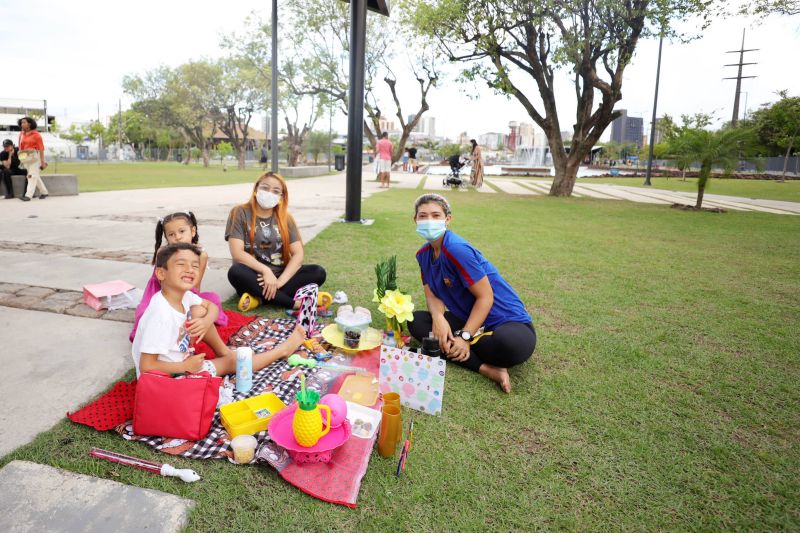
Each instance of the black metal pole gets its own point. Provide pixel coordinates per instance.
(274, 66)
(653, 123)
(355, 110)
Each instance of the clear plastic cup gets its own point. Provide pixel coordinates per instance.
(244, 448)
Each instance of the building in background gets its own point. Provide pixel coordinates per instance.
(491, 140)
(627, 130)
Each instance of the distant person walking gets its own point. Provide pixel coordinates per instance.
(9, 166)
(405, 160)
(383, 152)
(412, 159)
(476, 178)
(32, 146)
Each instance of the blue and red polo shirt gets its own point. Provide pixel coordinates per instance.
(457, 268)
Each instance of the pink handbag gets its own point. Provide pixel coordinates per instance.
(181, 408)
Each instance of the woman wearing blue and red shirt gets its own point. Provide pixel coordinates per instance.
(479, 320)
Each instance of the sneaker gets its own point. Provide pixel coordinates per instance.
(25, 199)
(43, 196)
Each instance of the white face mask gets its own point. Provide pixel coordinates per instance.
(267, 199)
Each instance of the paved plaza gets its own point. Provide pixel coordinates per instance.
(492, 184)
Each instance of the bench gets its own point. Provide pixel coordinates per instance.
(57, 185)
(304, 172)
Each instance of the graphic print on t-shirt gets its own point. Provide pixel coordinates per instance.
(183, 335)
(271, 244)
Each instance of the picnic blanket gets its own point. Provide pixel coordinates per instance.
(337, 482)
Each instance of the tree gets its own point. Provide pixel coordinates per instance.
(777, 126)
(765, 8)
(723, 148)
(318, 142)
(511, 43)
(223, 150)
(446, 150)
(185, 98)
(321, 58)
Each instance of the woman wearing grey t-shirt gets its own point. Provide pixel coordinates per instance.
(266, 248)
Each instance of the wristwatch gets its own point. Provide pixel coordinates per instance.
(464, 334)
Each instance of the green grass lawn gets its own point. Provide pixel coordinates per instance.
(762, 189)
(662, 396)
(146, 175)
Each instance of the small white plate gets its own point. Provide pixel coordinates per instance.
(364, 421)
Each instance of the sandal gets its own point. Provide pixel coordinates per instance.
(248, 303)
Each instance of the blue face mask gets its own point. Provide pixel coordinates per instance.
(430, 230)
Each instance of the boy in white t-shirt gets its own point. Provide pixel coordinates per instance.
(167, 328)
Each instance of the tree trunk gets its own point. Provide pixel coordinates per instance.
(702, 179)
(786, 159)
(564, 180)
(241, 156)
(205, 154)
(565, 165)
(187, 156)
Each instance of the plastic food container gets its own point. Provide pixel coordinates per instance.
(364, 422)
(244, 448)
(361, 389)
(250, 416)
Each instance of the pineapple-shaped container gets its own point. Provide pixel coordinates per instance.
(307, 424)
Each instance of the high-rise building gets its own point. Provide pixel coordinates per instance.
(491, 140)
(430, 126)
(627, 130)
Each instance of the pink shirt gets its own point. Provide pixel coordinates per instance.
(384, 147)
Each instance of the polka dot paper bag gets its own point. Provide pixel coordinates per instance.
(419, 379)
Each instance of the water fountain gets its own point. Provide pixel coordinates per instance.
(530, 161)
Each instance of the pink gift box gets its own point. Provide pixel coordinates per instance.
(98, 295)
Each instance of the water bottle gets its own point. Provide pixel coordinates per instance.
(244, 369)
(389, 340)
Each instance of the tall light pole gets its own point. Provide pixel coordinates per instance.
(653, 123)
(274, 66)
(355, 102)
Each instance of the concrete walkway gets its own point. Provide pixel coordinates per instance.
(42, 499)
(433, 182)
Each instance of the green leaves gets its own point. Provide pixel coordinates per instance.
(386, 276)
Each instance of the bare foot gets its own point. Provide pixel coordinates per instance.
(294, 341)
(498, 375)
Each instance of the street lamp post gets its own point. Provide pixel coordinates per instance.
(653, 123)
(355, 102)
(274, 67)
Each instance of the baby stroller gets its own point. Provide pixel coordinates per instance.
(454, 178)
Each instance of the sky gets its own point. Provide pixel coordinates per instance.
(75, 54)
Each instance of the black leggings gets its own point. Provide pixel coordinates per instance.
(509, 344)
(245, 279)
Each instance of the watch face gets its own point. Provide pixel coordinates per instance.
(466, 335)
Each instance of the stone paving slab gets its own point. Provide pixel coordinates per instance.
(72, 273)
(40, 498)
(509, 186)
(57, 363)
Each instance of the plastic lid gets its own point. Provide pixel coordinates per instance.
(390, 333)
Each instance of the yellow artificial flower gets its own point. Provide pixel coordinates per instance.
(395, 304)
